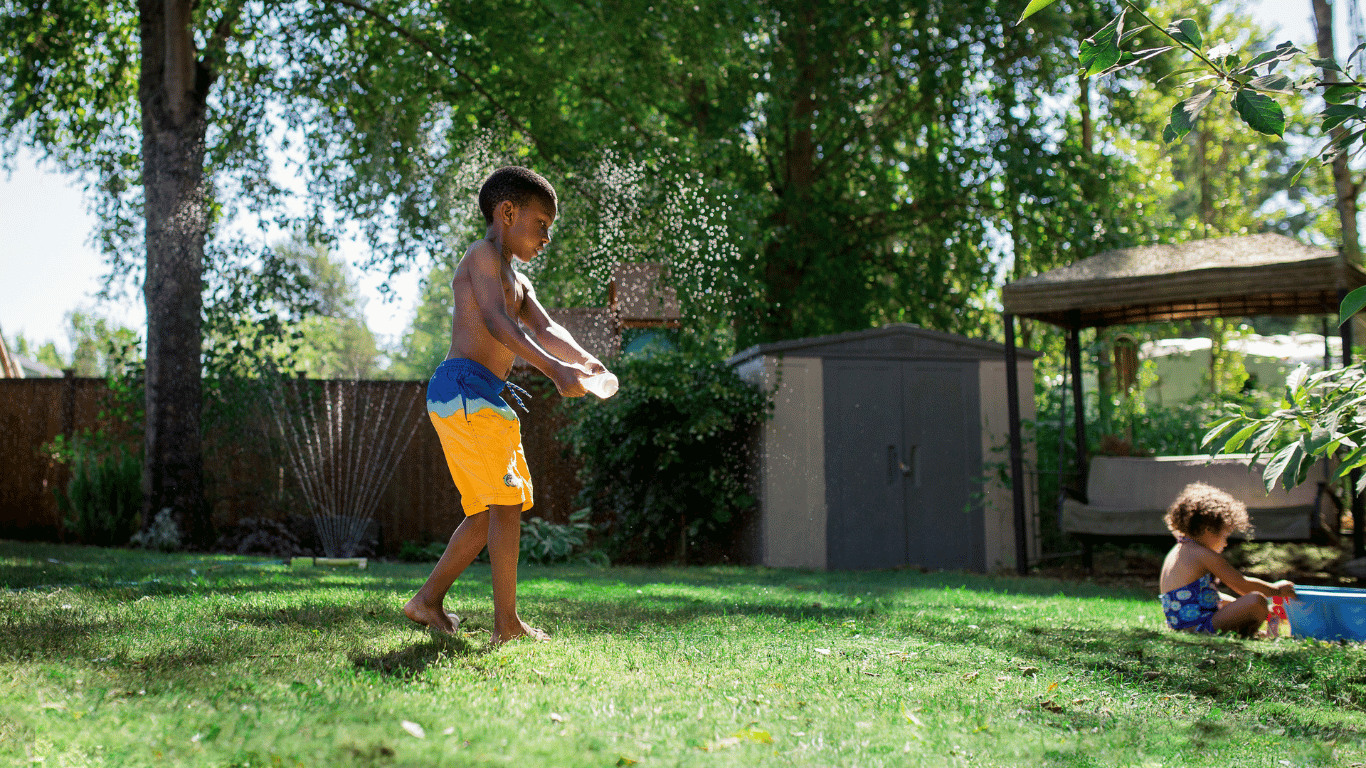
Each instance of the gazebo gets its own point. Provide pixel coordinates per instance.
(1237, 276)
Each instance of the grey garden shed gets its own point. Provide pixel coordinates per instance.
(881, 451)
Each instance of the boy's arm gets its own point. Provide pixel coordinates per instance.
(1241, 584)
(486, 281)
(555, 338)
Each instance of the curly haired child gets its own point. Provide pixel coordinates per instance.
(1201, 519)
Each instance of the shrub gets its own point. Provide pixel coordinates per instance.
(542, 543)
(413, 552)
(547, 543)
(666, 461)
(102, 503)
(163, 534)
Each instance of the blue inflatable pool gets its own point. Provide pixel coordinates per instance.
(1328, 613)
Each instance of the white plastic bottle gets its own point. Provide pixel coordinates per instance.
(604, 384)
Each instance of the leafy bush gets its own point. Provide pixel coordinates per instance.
(666, 461)
(413, 552)
(547, 543)
(1320, 415)
(102, 503)
(163, 534)
(543, 543)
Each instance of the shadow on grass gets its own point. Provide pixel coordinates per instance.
(406, 663)
(923, 606)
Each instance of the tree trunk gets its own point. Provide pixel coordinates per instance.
(783, 268)
(1087, 131)
(1342, 175)
(173, 88)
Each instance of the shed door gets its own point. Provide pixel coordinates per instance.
(941, 439)
(863, 418)
(902, 461)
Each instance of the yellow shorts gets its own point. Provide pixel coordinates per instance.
(480, 435)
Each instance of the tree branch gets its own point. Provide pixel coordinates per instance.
(223, 30)
(474, 82)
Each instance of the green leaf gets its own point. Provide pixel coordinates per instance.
(1034, 7)
(1263, 438)
(1127, 59)
(1327, 64)
(1260, 112)
(1352, 303)
(1101, 51)
(1132, 33)
(1216, 430)
(1186, 31)
(1271, 83)
(1341, 93)
(1284, 468)
(1317, 440)
(1184, 114)
(1239, 437)
(1283, 52)
(1353, 460)
(1338, 114)
(1179, 72)
(1347, 139)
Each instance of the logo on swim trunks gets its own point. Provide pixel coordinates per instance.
(509, 480)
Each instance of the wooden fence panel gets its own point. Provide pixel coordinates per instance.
(246, 475)
(32, 413)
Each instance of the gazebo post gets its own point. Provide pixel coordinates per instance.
(1358, 499)
(1078, 423)
(1017, 483)
(1078, 404)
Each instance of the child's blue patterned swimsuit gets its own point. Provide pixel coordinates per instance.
(1192, 607)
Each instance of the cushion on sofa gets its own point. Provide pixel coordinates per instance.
(1128, 496)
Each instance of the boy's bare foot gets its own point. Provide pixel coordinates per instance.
(429, 616)
(520, 629)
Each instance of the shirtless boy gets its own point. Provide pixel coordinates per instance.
(479, 431)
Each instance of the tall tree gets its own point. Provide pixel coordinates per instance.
(1347, 190)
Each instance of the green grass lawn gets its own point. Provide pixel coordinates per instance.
(113, 657)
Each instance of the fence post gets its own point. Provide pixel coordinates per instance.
(68, 402)
(1017, 483)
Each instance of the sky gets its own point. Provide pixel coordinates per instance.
(48, 266)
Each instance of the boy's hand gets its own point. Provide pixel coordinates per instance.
(1285, 588)
(594, 366)
(568, 380)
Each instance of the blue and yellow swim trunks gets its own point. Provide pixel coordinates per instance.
(480, 435)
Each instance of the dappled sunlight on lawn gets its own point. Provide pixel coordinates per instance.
(816, 668)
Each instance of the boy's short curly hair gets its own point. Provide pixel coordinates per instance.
(518, 184)
(1202, 508)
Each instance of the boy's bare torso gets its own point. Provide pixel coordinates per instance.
(470, 336)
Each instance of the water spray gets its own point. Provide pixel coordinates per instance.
(343, 443)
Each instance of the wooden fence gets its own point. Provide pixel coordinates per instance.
(245, 474)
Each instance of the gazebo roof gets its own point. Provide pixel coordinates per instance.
(1220, 277)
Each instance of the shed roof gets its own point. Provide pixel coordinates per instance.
(641, 297)
(1245, 275)
(894, 341)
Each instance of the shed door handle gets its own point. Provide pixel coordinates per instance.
(908, 470)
